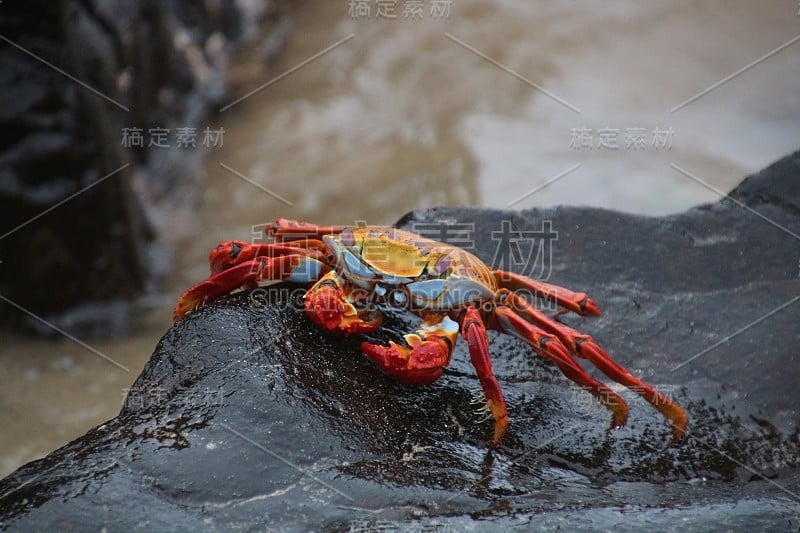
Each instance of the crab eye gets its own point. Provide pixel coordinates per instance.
(398, 298)
(235, 249)
(347, 237)
(329, 258)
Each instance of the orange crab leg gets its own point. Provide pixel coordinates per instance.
(585, 347)
(284, 230)
(289, 267)
(232, 253)
(474, 332)
(549, 346)
(579, 302)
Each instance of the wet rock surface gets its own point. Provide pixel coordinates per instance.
(247, 416)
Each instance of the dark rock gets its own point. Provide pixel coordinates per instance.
(248, 417)
(138, 64)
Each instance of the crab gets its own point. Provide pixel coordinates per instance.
(351, 269)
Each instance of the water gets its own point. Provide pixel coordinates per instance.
(404, 115)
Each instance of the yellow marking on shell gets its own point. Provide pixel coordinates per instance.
(392, 252)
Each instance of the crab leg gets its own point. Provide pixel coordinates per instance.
(474, 332)
(232, 253)
(579, 302)
(284, 230)
(298, 268)
(585, 347)
(549, 346)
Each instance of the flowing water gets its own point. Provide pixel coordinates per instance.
(507, 104)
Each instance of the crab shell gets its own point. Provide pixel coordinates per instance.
(404, 269)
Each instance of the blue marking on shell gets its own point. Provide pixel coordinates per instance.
(394, 280)
(427, 290)
(449, 293)
(354, 266)
(307, 271)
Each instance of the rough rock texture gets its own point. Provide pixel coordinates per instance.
(247, 416)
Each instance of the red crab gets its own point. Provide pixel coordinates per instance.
(449, 288)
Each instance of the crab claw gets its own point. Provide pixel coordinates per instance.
(420, 364)
(327, 307)
(225, 255)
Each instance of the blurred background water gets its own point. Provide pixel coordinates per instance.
(506, 104)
